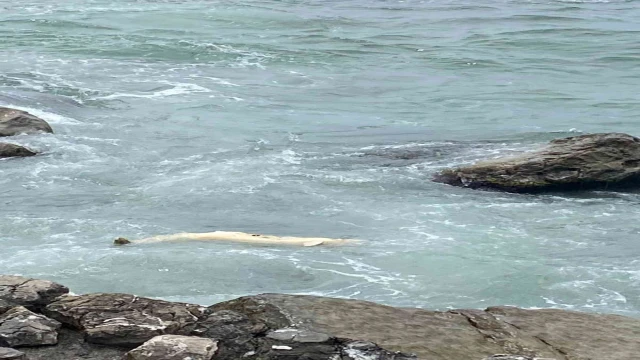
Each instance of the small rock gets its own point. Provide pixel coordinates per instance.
(174, 347)
(12, 150)
(21, 327)
(123, 319)
(30, 293)
(14, 122)
(11, 354)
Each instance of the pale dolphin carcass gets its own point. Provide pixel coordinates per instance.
(240, 237)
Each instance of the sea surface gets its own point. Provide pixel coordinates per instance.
(317, 118)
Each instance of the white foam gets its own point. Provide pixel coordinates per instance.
(176, 89)
(50, 117)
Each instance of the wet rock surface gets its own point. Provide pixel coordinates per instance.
(594, 161)
(21, 327)
(12, 150)
(14, 122)
(30, 293)
(287, 327)
(174, 347)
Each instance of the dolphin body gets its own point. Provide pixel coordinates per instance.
(240, 237)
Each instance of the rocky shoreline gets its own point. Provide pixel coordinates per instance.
(40, 320)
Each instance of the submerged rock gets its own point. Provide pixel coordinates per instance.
(12, 150)
(14, 122)
(21, 327)
(30, 293)
(122, 319)
(11, 354)
(595, 161)
(174, 347)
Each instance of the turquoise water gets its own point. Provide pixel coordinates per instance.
(317, 118)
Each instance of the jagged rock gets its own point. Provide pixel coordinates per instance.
(12, 150)
(30, 293)
(11, 354)
(235, 333)
(122, 319)
(14, 122)
(595, 161)
(71, 346)
(21, 327)
(174, 347)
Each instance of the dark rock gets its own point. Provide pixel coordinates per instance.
(11, 354)
(21, 327)
(12, 150)
(14, 122)
(595, 161)
(30, 293)
(235, 333)
(71, 346)
(174, 347)
(122, 319)
(294, 344)
(5, 306)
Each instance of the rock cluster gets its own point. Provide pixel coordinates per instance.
(594, 161)
(40, 320)
(15, 122)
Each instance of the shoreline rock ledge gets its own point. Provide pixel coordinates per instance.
(40, 320)
(594, 161)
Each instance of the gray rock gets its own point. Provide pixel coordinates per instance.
(595, 161)
(14, 122)
(576, 335)
(11, 354)
(433, 335)
(174, 347)
(407, 330)
(21, 327)
(236, 334)
(71, 346)
(509, 357)
(122, 319)
(30, 293)
(12, 150)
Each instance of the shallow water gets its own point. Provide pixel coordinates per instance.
(317, 118)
